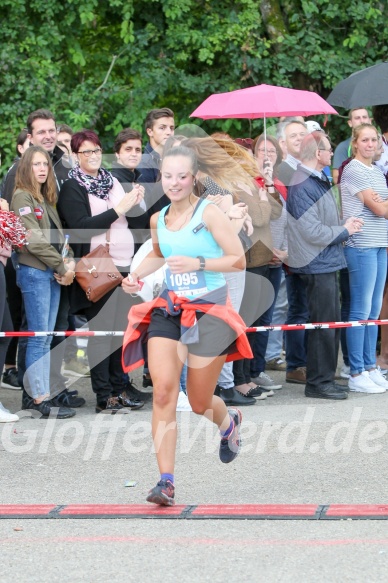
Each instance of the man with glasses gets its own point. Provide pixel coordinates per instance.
(315, 237)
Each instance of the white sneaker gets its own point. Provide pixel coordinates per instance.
(183, 402)
(345, 372)
(378, 379)
(6, 416)
(363, 384)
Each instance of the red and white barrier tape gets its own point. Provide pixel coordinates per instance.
(272, 328)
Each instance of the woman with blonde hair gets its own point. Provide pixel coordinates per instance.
(233, 168)
(41, 270)
(364, 194)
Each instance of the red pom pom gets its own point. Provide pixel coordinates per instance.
(12, 230)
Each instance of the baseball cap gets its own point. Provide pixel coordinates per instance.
(313, 126)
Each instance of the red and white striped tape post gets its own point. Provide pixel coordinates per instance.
(270, 328)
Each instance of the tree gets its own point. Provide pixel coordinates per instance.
(105, 64)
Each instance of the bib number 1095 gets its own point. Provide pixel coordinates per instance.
(192, 283)
(178, 280)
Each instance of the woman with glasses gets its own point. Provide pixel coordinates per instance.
(41, 270)
(268, 156)
(93, 204)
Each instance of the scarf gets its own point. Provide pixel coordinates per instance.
(98, 186)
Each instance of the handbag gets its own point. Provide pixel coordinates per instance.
(96, 273)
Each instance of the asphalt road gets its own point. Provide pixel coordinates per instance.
(296, 450)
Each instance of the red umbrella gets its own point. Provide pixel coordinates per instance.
(262, 101)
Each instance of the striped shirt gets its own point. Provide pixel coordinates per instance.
(355, 178)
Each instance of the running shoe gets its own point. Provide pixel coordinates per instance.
(264, 381)
(230, 446)
(163, 494)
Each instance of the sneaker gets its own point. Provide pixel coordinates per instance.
(49, 408)
(183, 402)
(378, 378)
(76, 367)
(264, 381)
(6, 416)
(381, 363)
(230, 446)
(345, 372)
(297, 376)
(10, 379)
(163, 494)
(276, 364)
(66, 399)
(363, 384)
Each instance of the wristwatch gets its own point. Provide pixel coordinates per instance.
(201, 263)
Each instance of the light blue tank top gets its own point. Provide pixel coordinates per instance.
(192, 241)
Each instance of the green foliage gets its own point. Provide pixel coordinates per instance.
(104, 64)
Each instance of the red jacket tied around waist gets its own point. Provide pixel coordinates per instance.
(215, 303)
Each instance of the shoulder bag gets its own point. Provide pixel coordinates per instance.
(96, 273)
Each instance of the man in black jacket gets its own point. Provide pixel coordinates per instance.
(42, 131)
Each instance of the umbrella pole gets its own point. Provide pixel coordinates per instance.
(265, 137)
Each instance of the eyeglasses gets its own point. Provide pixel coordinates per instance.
(263, 151)
(88, 153)
(326, 150)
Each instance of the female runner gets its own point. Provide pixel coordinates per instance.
(197, 242)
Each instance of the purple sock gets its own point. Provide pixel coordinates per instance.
(169, 477)
(225, 434)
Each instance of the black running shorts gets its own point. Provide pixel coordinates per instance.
(215, 336)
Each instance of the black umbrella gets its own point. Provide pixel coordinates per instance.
(366, 87)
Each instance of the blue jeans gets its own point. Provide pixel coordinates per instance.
(345, 307)
(279, 316)
(183, 379)
(41, 295)
(367, 273)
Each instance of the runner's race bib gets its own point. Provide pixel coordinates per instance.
(186, 284)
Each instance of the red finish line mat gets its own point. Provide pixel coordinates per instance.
(200, 512)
